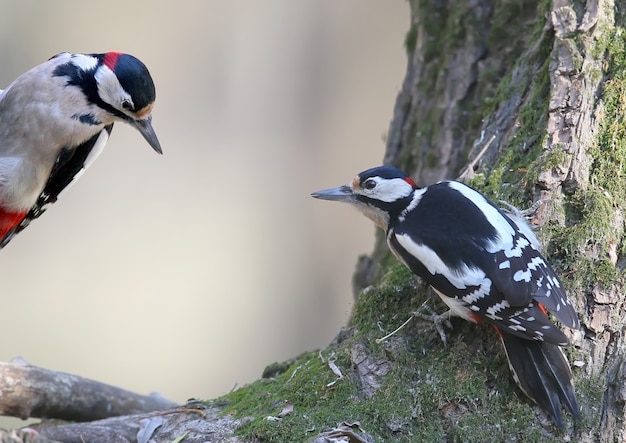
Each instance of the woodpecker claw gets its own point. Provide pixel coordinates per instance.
(439, 320)
(522, 213)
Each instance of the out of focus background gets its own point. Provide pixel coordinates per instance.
(188, 273)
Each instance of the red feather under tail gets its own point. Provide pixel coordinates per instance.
(8, 222)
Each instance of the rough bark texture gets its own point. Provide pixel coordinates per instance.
(184, 425)
(28, 391)
(543, 87)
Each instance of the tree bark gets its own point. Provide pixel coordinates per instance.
(29, 391)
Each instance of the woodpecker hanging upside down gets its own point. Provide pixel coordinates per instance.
(484, 264)
(55, 120)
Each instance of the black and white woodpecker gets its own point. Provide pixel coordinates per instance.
(484, 264)
(55, 120)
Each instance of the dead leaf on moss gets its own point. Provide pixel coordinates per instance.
(346, 432)
(287, 409)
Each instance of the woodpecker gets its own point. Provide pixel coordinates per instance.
(484, 264)
(55, 120)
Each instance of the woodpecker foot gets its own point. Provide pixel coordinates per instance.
(522, 213)
(440, 320)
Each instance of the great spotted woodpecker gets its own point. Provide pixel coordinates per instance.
(484, 264)
(55, 120)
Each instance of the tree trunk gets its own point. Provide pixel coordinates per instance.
(548, 84)
(533, 97)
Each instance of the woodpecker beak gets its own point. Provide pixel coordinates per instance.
(342, 194)
(144, 126)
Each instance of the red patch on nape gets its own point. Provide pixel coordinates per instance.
(9, 220)
(410, 181)
(110, 59)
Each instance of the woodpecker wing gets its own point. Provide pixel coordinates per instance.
(523, 270)
(457, 241)
(473, 296)
(69, 166)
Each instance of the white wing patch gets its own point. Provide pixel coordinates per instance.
(501, 225)
(459, 278)
(97, 149)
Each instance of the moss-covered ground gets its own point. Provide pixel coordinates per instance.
(459, 392)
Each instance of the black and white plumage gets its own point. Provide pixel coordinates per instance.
(484, 264)
(55, 120)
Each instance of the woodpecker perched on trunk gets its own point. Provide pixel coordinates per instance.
(55, 120)
(484, 264)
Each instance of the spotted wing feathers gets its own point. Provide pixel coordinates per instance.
(521, 274)
(481, 263)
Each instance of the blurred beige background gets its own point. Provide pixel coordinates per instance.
(189, 273)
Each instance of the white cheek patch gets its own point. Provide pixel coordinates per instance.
(387, 191)
(109, 88)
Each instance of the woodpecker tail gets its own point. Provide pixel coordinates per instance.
(542, 372)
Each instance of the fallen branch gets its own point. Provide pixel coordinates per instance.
(196, 426)
(30, 391)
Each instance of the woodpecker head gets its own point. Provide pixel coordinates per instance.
(118, 86)
(380, 193)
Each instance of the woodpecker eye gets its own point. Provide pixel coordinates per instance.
(369, 184)
(126, 104)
